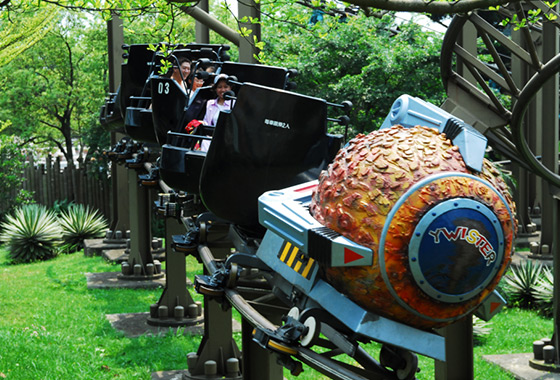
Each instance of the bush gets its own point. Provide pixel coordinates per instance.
(521, 284)
(78, 223)
(61, 206)
(12, 163)
(544, 292)
(31, 233)
(481, 329)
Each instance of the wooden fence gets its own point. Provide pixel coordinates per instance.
(82, 184)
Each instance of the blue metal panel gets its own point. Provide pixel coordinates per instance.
(323, 295)
(409, 112)
(284, 213)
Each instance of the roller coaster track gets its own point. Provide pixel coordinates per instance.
(370, 369)
(488, 80)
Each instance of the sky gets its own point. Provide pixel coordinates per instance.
(424, 21)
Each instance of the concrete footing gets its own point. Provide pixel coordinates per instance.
(95, 247)
(108, 280)
(133, 325)
(518, 366)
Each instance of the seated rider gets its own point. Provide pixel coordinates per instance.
(181, 73)
(195, 82)
(214, 106)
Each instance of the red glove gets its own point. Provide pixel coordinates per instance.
(192, 125)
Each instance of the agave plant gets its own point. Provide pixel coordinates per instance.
(78, 223)
(481, 328)
(544, 292)
(521, 283)
(31, 233)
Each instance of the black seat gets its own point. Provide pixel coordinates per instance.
(180, 163)
(197, 107)
(194, 51)
(134, 73)
(138, 121)
(272, 139)
(110, 115)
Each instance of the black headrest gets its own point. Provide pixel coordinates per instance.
(169, 103)
(269, 76)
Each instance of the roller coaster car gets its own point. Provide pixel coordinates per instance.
(134, 93)
(138, 122)
(272, 138)
(170, 102)
(297, 251)
(171, 106)
(171, 109)
(134, 72)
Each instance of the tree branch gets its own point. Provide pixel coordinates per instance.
(32, 139)
(50, 125)
(435, 7)
(58, 144)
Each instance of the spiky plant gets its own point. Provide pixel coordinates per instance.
(78, 223)
(31, 233)
(521, 283)
(481, 329)
(544, 292)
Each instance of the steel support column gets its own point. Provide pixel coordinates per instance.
(119, 211)
(140, 264)
(458, 336)
(251, 10)
(550, 137)
(459, 364)
(258, 363)
(181, 309)
(202, 32)
(527, 192)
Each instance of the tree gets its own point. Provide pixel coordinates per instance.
(364, 60)
(15, 38)
(139, 6)
(52, 88)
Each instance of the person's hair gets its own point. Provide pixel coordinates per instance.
(218, 79)
(192, 76)
(184, 59)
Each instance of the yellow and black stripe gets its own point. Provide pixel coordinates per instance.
(298, 261)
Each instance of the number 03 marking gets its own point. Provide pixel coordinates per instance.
(163, 88)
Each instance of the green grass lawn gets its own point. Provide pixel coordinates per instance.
(53, 327)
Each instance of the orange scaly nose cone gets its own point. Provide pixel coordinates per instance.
(442, 234)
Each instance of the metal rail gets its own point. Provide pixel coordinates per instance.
(320, 362)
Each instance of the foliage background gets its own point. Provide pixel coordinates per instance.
(370, 61)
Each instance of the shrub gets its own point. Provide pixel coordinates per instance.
(544, 292)
(31, 233)
(521, 283)
(60, 206)
(78, 223)
(12, 163)
(481, 329)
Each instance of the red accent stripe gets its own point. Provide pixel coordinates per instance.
(305, 188)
